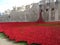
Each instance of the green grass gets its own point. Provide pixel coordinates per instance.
(2, 35)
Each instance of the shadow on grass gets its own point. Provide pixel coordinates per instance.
(3, 36)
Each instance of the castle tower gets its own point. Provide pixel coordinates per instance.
(49, 10)
(58, 6)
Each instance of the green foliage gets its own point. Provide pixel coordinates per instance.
(2, 35)
(23, 43)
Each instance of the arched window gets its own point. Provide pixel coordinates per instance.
(46, 9)
(47, 14)
(52, 9)
(52, 14)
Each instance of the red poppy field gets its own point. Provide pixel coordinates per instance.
(47, 33)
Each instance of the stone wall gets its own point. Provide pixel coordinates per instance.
(30, 14)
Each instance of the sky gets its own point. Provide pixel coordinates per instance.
(8, 4)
